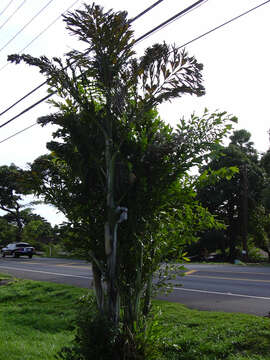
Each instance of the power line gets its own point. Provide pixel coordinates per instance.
(42, 32)
(19, 132)
(21, 99)
(56, 19)
(145, 11)
(2, 12)
(171, 19)
(28, 108)
(45, 82)
(29, 22)
(14, 12)
(181, 46)
(225, 23)
(39, 86)
(51, 24)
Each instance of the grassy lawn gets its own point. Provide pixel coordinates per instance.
(36, 321)
(208, 335)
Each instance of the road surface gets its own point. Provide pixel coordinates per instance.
(228, 288)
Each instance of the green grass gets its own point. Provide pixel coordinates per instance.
(36, 321)
(192, 334)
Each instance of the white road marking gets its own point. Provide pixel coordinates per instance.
(221, 293)
(175, 288)
(45, 272)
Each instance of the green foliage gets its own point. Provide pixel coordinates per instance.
(55, 250)
(96, 337)
(260, 229)
(255, 254)
(13, 186)
(8, 232)
(234, 167)
(38, 233)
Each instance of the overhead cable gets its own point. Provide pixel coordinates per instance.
(28, 108)
(5, 8)
(225, 23)
(42, 32)
(14, 12)
(29, 22)
(171, 19)
(145, 11)
(19, 132)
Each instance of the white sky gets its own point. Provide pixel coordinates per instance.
(236, 62)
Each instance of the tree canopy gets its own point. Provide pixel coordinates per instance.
(232, 200)
(13, 186)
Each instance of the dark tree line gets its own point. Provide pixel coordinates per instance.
(241, 203)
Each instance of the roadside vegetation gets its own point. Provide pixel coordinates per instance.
(37, 320)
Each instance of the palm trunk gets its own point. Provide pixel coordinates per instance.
(147, 297)
(111, 236)
(98, 288)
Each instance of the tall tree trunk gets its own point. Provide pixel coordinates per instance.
(111, 235)
(98, 287)
(19, 225)
(147, 297)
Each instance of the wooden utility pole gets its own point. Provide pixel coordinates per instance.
(245, 212)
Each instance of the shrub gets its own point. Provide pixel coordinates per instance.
(95, 338)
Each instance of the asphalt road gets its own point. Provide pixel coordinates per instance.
(228, 288)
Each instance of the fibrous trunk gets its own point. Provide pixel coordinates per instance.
(110, 236)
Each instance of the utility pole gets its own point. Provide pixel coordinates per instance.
(245, 212)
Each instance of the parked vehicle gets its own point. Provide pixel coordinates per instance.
(18, 249)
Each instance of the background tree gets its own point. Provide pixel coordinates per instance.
(260, 229)
(8, 232)
(13, 187)
(265, 164)
(39, 233)
(261, 217)
(227, 199)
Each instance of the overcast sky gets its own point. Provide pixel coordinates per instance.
(236, 62)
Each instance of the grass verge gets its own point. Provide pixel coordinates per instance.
(191, 334)
(36, 321)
